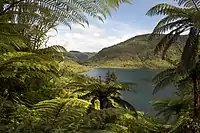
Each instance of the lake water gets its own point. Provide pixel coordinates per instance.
(144, 87)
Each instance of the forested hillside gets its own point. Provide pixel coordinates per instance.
(135, 51)
(79, 56)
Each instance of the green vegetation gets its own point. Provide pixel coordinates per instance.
(74, 66)
(185, 72)
(79, 57)
(116, 63)
(41, 92)
(136, 52)
(106, 93)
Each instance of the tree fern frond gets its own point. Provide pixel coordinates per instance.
(124, 104)
(22, 57)
(166, 9)
(185, 83)
(62, 112)
(11, 37)
(164, 78)
(173, 27)
(55, 52)
(88, 95)
(55, 48)
(40, 11)
(22, 72)
(50, 105)
(73, 11)
(108, 120)
(163, 83)
(167, 20)
(104, 92)
(185, 124)
(116, 3)
(115, 128)
(189, 3)
(167, 41)
(170, 108)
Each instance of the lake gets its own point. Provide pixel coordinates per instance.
(144, 87)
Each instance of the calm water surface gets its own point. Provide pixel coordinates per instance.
(143, 78)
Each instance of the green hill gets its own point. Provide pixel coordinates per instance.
(135, 52)
(79, 56)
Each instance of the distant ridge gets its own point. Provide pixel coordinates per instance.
(79, 56)
(138, 49)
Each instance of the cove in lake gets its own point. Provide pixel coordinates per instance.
(141, 99)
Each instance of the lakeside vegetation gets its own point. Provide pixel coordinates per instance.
(41, 92)
(75, 67)
(135, 64)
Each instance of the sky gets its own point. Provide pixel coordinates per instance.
(128, 21)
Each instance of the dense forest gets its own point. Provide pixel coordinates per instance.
(137, 52)
(79, 57)
(42, 92)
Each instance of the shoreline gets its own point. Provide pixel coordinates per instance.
(131, 64)
(114, 67)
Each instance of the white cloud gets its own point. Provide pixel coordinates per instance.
(95, 37)
(97, 34)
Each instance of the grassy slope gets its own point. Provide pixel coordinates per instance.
(134, 52)
(75, 67)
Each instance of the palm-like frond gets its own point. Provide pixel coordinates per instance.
(57, 108)
(55, 52)
(109, 120)
(12, 58)
(167, 9)
(116, 3)
(36, 14)
(185, 124)
(167, 41)
(69, 115)
(68, 11)
(170, 108)
(10, 37)
(189, 3)
(21, 72)
(106, 92)
(103, 88)
(57, 114)
(123, 103)
(177, 21)
(164, 78)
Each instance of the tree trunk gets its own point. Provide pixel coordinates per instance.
(1, 6)
(196, 95)
(103, 102)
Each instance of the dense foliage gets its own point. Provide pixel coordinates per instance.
(40, 92)
(185, 73)
(136, 52)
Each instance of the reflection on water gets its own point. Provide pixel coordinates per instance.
(143, 78)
